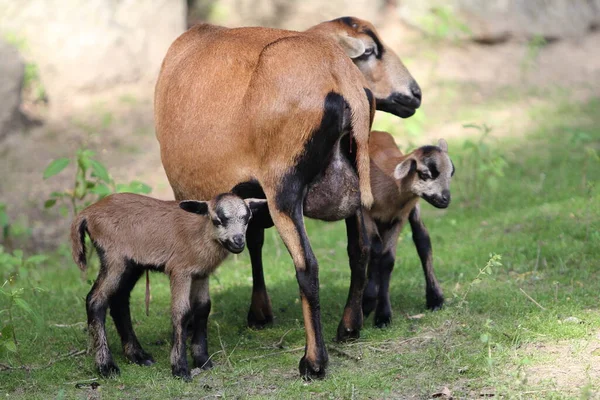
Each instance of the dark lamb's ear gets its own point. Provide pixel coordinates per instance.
(256, 205)
(194, 206)
(404, 168)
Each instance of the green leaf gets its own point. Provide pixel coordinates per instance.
(484, 337)
(100, 171)
(37, 259)
(57, 195)
(6, 333)
(101, 190)
(49, 203)
(18, 254)
(23, 305)
(55, 167)
(10, 346)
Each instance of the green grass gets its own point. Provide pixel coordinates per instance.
(546, 230)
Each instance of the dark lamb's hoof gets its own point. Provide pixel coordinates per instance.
(141, 358)
(368, 306)
(109, 370)
(203, 363)
(383, 321)
(181, 373)
(255, 323)
(309, 372)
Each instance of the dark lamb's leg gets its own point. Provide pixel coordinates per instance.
(389, 235)
(200, 301)
(97, 303)
(120, 312)
(433, 291)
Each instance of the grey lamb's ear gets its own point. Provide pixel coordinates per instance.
(194, 206)
(256, 205)
(404, 168)
(442, 144)
(352, 46)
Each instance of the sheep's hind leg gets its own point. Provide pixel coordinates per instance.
(200, 302)
(261, 311)
(97, 303)
(389, 235)
(121, 314)
(358, 254)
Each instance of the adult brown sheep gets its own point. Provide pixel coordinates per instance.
(260, 110)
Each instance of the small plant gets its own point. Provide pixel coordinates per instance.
(14, 296)
(534, 47)
(92, 182)
(481, 166)
(493, 262)
(9, 230)
(442, 23)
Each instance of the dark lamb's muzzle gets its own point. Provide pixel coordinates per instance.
(438, 201)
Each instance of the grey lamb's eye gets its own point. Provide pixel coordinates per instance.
(369, 51)
(424, 175)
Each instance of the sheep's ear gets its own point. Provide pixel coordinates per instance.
(256, 205)
(404, 168)
(442, 144)
(352, 46)
(194, 206)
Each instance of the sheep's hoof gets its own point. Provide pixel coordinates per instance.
(203, 362)
(346, 335)
(140, 357)
(255, 323)
(181, 373)
(368, 305)
(109, 369)
(435, 301)
(383, 320)
(310, 372)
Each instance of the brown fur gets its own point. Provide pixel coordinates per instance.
(395, 202)
(133, 233)
(241, 105)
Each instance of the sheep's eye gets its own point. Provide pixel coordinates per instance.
(217, 222)
(369, 51)
(424, 175)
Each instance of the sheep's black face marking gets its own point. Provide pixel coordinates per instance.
(434, 173)
(230, 219)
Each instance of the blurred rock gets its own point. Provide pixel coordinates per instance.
(289, 14)
(83, 46)
(11, 83)
(496, 20)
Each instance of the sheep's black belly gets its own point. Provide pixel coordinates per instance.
(335, 194)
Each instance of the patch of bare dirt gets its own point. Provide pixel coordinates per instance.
(568, 367)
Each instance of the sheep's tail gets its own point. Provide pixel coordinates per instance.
(78, 232)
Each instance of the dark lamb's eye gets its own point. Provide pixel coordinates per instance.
(369, 51)
(216, 222)
(423, 175)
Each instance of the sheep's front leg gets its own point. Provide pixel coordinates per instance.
(200, 300)
(389, 237)
(180, 314)
(358, 254)
(433, 292)
(285, 207)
